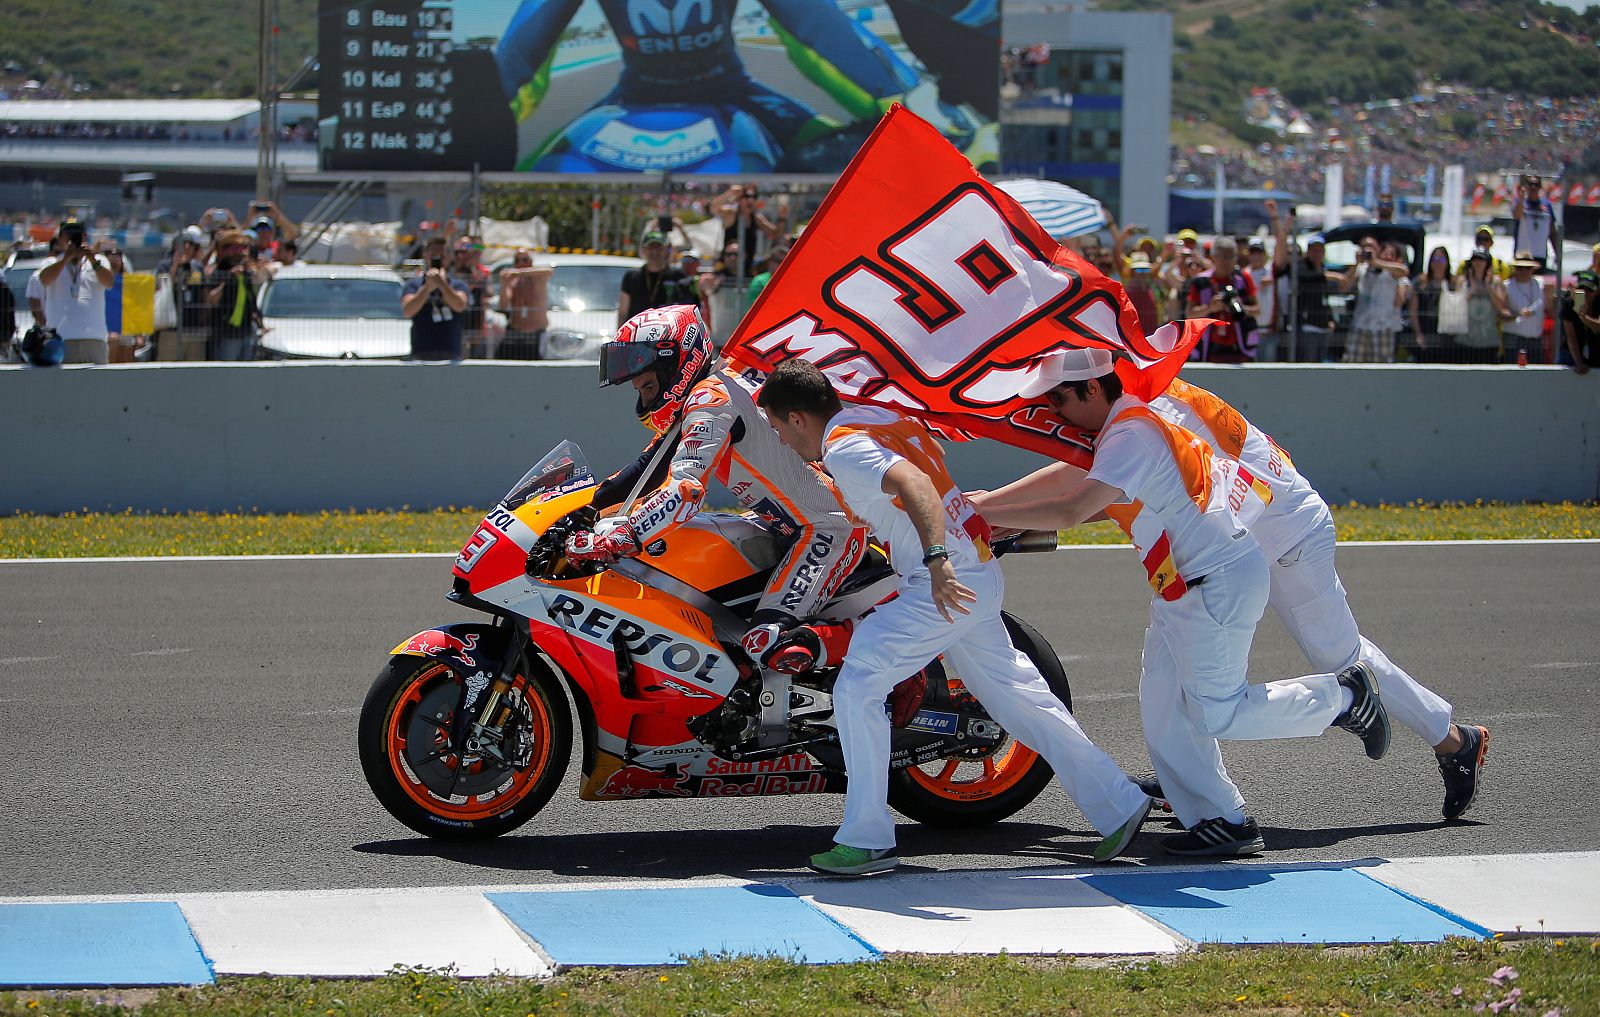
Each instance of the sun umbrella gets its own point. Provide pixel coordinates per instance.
(1063, 211)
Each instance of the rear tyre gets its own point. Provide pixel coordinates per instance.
(405, 754)
(974, 790)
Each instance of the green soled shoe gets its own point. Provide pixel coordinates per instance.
(845, 860)
(1117, 841)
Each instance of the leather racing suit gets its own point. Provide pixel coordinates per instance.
(727, 438)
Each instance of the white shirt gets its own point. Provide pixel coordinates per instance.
(75, 304)
(1376, 293)
(1265, 297)
(1133, 456)
(1520, 296)
(858, 464)
(1296, 508)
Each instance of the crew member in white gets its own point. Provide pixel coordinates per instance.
(890, 472)
(1162, 484)
(1294, 527)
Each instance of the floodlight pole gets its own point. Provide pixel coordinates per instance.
(267, 94)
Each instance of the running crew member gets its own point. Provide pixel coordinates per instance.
(1294, 527)
(1210, 582)
(891, 473)
(666, 354)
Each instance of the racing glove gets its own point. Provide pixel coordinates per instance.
(610, 540)
(819, 644)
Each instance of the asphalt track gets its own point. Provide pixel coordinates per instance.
(189, 726)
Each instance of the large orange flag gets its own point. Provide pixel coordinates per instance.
(921, 287)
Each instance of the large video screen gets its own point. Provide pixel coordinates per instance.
(726, 87)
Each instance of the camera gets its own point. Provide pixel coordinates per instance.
(1229, 295)
(73, 233)
(436, 263)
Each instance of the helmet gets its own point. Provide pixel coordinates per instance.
(671, 341)
(41, 347)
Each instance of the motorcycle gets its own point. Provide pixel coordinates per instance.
(468, 730)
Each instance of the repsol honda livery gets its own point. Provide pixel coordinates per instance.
(468, 730)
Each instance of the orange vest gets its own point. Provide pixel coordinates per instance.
(1232, 434)
(1143, 527)
(911, 441)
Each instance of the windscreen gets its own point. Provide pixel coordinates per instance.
(581, 288)
(333, 298)
(563, 469)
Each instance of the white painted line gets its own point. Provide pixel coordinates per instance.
(338, 934)
(379, 556)
(966, 913)
(1544, 893)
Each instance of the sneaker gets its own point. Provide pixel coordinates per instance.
(1217, 837)
(845, 860)
(1460, 770)
(1117, 841)
(1151, 786)
(1366, 718)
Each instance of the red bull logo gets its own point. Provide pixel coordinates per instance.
(640, 782)
(437, 643)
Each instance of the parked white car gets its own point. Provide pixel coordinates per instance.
(583, 300)
(334, 312)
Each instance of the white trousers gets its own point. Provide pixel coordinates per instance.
(1310, 600)
(900, 638)
(1193, 690)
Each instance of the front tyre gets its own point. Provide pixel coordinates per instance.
(975, 789)
(472, 795)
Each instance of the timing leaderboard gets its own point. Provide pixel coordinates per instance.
(397, 93)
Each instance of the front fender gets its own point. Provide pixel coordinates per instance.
(468, 645)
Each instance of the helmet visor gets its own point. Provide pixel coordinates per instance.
(620, 362)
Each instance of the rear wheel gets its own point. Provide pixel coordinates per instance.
(975, 787)
(469, 795)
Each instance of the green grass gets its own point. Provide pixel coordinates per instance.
(91, 534)
(1561, 976)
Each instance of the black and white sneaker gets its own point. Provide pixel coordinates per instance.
(1366, 718)
(1460, 770)
(1217, 837)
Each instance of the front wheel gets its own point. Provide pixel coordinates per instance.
(973, 790)
(405, 750)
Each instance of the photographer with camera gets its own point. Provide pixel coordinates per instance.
(1380, 279)
(436, 303)
(231, 292)
(74, 285)
(1228, 294)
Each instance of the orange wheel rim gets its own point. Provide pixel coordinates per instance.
(967, 780)
(504, 795)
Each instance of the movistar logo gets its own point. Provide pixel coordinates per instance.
(654, 17)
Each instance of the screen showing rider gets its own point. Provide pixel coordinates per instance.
(708, 418)
(687, 51)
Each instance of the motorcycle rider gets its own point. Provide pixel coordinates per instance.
(666, 354)
(687, 52)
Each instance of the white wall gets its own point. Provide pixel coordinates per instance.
(281, 437)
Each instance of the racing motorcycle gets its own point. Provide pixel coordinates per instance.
(468, 730)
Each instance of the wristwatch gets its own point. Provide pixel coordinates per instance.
(936, 551)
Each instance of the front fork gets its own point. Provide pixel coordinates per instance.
(479, 724)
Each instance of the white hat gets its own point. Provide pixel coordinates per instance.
(195, 234)
(1068, 365)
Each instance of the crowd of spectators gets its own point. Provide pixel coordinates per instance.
(1483, 130)
(15, 131)
(206, 281)
(1290, 304)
